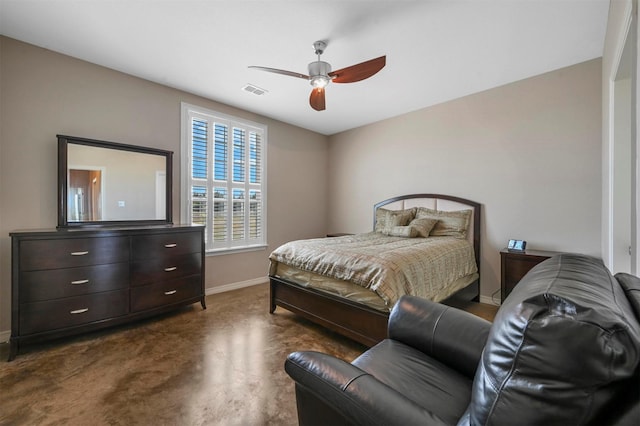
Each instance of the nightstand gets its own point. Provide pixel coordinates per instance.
(515, 265)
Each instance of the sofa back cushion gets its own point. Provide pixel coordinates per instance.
(558, 348)
(631, 286)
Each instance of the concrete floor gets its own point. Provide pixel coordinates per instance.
(219, 366)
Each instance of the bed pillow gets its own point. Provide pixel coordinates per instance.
(403, 231)
(450, 223)
(387, 219)
(423, 226)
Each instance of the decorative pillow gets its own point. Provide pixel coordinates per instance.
(423, 226)
(387, 219)
(403, 231)
(450, 223)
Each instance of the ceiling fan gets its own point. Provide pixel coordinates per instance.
(320, 74)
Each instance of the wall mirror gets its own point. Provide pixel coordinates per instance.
(104, 183)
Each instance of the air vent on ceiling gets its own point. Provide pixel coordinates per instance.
(254, 89)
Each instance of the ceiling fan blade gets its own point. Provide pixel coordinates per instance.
(283, 72)
(359, 71)
(316, 100)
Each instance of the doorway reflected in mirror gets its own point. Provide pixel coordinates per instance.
(85, 195)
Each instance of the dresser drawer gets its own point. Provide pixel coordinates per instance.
(163, 245)
(59, 283)
(54, 314)
(165, 293)
(72, 252)
(165, 268)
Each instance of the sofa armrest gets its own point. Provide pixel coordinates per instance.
(358, 397)
(452, 336)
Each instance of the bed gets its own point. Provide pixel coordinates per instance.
(318, 280)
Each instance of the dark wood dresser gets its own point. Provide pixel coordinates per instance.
(515, 265)
(67, 282)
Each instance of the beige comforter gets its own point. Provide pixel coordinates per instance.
(390, 266)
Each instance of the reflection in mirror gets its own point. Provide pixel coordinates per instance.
(109, 182)
(84, 195)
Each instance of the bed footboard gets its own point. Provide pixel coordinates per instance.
(350, 319)
(358, 322)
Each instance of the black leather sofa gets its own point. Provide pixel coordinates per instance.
(564, 349)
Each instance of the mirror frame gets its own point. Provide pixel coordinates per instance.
(63, 143)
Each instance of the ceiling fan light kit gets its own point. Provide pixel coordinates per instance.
(320, 74)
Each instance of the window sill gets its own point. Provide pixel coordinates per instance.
(223, 251)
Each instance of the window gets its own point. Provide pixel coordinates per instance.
(223, 178)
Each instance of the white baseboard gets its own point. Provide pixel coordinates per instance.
(489, 300)
(235, 286)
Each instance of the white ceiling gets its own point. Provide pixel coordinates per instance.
(436, 50)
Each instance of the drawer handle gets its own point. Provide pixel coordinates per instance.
(79, 282)
(79, 311)
(172, 245)
(79, 253)
(170, 268)
(170, 292)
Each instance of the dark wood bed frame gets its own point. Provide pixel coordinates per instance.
(356, 321)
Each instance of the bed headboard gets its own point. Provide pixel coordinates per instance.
(438, 202)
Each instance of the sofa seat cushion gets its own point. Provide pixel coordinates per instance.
(427, 382)
(562, 343)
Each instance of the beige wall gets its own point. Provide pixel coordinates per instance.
(530, 152)
(45, 93)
